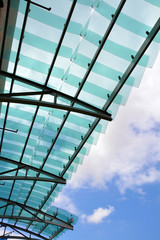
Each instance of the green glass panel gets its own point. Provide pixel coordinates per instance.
(51, 19)
(154, 2)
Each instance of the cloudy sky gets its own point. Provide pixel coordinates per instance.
(115, 192)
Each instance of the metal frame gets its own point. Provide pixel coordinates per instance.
(28, 178)
(23, 230)
(8, 97)
(37, 170)
(76, 96)
(32, 219)
(17, 237)
(27, 208)
(38, 103)
(38, 5)
(86, 75)
(50, 70)
(11, 98)
(7, 234)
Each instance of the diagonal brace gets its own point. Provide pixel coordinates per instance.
(26, 207)
(40, 171)
(48, 90)
(23, 230)
(102, 115)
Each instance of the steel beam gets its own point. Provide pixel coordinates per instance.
(47, 90)
(4, 206)
(28, 178)
(19, 233)
(18, 237)
(23, 230)
(33, 220)
(45, 214)
(61, 40)
(9, 130)
(38, 103)
(39, 5)
(12, 170)
(29, 167)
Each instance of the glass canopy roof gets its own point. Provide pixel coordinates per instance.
(65, 68)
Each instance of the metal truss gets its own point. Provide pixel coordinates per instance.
(10, 97)
(52, 177)
(19, 229)
(57, 221)
(90, 66)
(44, 88)
(18, 237)
(6, 235)
(27, 178)
(47, 79)
(32, 219)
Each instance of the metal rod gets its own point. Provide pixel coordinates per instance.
(4, 206)
(23, 229)
(47, 90)
(11, 170)
(39, 5)
(61, 39)
(35, 220)
(26, 207)
(18, 237)
(19, 233)
(29, 167)
(9, 130)
(103, 115)
(24, 178)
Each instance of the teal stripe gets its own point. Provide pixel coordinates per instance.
(154, 2)
(40, 43)
(50, 19)
(115, 48)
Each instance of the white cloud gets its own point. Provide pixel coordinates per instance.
(65, 202)
(129, 152)
(98, 215)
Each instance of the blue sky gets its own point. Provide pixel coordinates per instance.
(116, 192)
